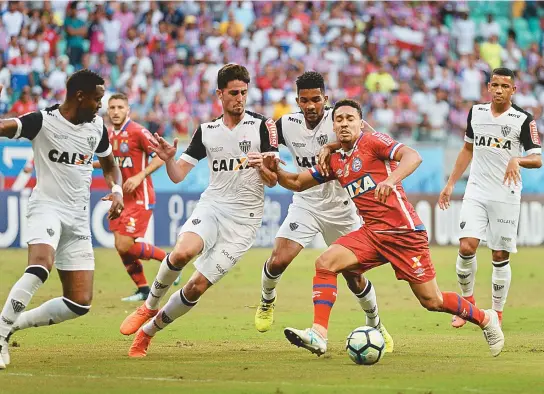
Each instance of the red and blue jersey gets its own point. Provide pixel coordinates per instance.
(360, 171)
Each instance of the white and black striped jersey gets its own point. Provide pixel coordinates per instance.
(328, 199)
(235, 188)
(496, 140)
(63, 156)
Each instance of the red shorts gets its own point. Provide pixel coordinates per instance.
(408, 252)
(132, 222)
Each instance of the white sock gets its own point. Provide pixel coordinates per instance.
(466, 273)
(54, 311)
(367, 300)
(165, 277)
(500, 278)
(177, 306)
(20, 295)
(268, 284)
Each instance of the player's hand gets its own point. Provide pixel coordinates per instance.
(445, 195)
(512, 173)
(117, 205)
(272, 161)
(133, 182)
(383, 190)
(323, 159)
(255, 159)
(162, 148)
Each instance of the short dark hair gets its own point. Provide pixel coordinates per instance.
(85, 80)
(232, 72)
(503, 71)
(310, 80)
(118, 96)
(348, 103)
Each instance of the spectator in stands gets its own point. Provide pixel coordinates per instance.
(76, 31)
(24, 104)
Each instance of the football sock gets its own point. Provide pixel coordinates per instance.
(51, 312)
(367, 300)
(500, 278)
(20, 295)
(456, 305)
(145, 251)
(165, 277)
(466, 267)
(177, 306)
(135, 269)
(268, 284)
(324, 295)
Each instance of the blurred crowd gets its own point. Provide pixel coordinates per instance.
(416, 67)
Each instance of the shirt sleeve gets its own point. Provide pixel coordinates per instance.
(469, 133)
(29, 125)
(384, 146)
(269, 136)
(104, 148)
(279, 128)
(196, 150)
(529, 137)
(316, 171)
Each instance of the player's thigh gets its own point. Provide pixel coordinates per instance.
(503, 226)
(337, 258)
(44, 230)
(122, 242)
(333, 230)
(300, 226)
(284, 251)
(77, 286)
(215, 263)
(133, 221)
(363, 257)
(473, 219)
(75, 250)
(408, 254)
(205, 224)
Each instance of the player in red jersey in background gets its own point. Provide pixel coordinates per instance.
(370, 167)
(131, 148)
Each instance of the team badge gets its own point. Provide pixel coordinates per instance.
(91, 141)
(323, 139)
(462, 225)
(245, 146)
(195, 222)
(505, 130)
(356, 165)
(293, 226)
(124, 147)
(50, 232)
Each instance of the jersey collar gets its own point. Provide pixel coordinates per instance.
(123, 127)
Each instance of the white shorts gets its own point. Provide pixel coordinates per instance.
(301, 226)
(225, 241)
(490, 221)
(67, 233)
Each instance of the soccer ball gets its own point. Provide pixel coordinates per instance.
(365, 345)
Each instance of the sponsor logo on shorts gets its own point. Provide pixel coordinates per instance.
(220, 269)
(131, 226)
(293, 226)
(462, 225)
(497, 287)
(50, 232)
(507, 221)
(195, 222)
(87, 255)
(506, 239)
(83, 237)
(229, 256)
(17, 306)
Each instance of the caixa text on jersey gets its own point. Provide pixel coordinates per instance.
(231, 164)
(69, 158)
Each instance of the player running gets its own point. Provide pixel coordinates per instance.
(131, 148)
(224, 224)
(64, 139)
(370, 168)
(326, 209)
(496, 133)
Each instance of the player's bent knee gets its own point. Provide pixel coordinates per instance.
(433, 304)
(500, 255)
(279, 261)
(179, 257)
(123, 247)
(325, 263)
(79, 309)
(42, 260)
(467, 248)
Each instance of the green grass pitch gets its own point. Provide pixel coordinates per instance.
(216, 349)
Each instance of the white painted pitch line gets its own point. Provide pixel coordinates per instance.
(243, 382)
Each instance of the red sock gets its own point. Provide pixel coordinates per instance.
(470, 299)
(456, 305)
(136, 271)
(144, 251)
(324, 295)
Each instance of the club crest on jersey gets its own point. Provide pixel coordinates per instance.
(245, 146)
(323, 139)
(360, 186)
(356, 165)
(505, 130)
(124, 147)
(91, 140)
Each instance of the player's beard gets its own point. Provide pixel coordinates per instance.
(85, 115)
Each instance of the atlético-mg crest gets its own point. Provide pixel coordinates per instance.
(322, 139)
(505, 130)
(91, 141)
(245, 146)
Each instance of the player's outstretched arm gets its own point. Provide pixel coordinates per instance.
(463, 160)
(409, 160)
(512, 175)
(114, 180)
(296, 182)
(177, 170)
